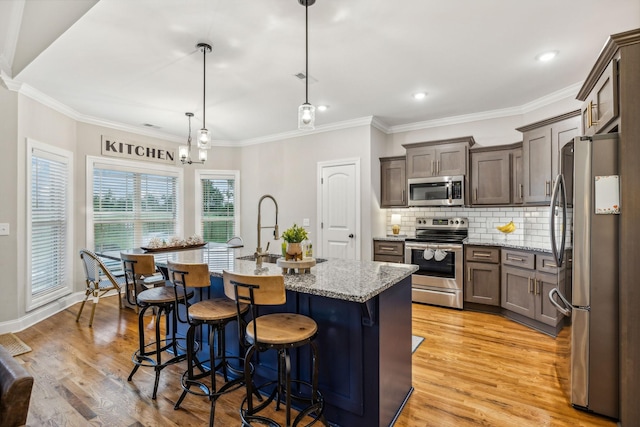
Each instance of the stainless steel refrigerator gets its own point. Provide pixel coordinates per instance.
(592, 302)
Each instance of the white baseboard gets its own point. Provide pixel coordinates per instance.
(44, 312)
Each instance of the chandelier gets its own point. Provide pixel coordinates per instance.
(184, 151)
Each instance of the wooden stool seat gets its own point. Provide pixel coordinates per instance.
(282, 328)
(214, 309)
(161, 295)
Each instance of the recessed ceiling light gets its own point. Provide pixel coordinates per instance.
(322, 107)
(419, 95)
(547, 56)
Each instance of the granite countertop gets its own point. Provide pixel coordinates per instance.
(349, 280)
(398, 238)
(522, 243)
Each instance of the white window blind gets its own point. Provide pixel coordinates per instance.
(50, 223)
(218, 206)
(130, 208)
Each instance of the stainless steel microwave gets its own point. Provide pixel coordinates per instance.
(436, 191)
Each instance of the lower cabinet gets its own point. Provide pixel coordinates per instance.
(388, 251)
(482, 282)
(525, 291)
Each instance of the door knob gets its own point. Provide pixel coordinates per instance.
(351, 236)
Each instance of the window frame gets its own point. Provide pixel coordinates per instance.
(94, 162)
(66, 156)
(201, 174)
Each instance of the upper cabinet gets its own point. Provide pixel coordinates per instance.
(542, 143)
(495, 172)
(601, 105)
(438, 158)
(393, 182)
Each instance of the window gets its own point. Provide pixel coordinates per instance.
(49, 223)
(132, 203)
(217, 198)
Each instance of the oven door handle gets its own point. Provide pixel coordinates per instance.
(450, 248)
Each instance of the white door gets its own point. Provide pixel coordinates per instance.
(339, 209)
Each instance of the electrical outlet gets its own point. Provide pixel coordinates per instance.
(305, 222)
(4, 229)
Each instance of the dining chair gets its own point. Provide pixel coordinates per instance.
(99, 280)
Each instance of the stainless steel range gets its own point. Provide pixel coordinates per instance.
(437, 250)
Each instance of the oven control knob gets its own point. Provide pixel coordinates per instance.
(462, 222)
(457, 222)
(451, 221)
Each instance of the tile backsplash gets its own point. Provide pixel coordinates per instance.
(531, 222)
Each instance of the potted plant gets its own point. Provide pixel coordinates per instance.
(294, 237)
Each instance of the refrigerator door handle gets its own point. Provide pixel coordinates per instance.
(566, 310)
(558, 190)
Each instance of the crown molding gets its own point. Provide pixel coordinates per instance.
(347, 124)
(373, 121)
(492, 114)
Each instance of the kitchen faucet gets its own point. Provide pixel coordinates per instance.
(259, 254)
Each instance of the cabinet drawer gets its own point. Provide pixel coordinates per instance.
(518, 258)
(388, 258)
(482, 254)
(546, 263)
(382, 247)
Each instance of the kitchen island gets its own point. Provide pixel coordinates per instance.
(363, 312)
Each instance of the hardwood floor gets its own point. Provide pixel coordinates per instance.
(472, 369)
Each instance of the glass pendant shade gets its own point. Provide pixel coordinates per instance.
(183, 152)
(306, 116)
(202, 155)
(203, 139)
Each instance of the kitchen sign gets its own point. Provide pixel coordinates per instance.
(117, 147)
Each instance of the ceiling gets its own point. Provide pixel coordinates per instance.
(135, 63)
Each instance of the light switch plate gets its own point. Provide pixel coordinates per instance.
(4, 229)
(305, 222)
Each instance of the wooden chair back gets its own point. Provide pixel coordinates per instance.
(142, 264)
(190, 275)
(255, 290)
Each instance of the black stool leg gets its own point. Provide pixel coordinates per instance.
(141, 338)
(191, 332)
(158, 366)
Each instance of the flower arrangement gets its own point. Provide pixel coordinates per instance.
(294, 234)
(174, 241)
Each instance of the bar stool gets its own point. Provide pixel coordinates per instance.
(161, 299)
(279, 331)
(216, 313)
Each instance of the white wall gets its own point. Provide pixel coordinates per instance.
(287, 170)
(8, 208)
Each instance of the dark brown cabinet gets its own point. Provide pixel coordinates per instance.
(438, 158)
(482, 281)
(496, 175)
(527, 279)
(541, 146)
(517, 176)
(601, 107)
(393, 182)
(388, 251)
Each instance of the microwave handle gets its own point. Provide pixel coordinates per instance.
(450, 191)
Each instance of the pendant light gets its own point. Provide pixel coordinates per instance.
(306, 112)
(204, 141)
(184, 151)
